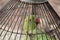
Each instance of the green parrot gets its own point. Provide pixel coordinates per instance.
(29, 24)
(30, 28)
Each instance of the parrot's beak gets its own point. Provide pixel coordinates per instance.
(37, 20)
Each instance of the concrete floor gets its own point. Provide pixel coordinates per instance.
(3, 3)
(56, 5)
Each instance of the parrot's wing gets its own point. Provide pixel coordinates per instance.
(29, 24)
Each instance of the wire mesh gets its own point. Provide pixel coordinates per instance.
(12, 18)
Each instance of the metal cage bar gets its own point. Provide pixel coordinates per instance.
(12, 18)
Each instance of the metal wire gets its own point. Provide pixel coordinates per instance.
(12, 18)
(53, 21)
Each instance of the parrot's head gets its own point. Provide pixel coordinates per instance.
(35, 19)
(32, 19)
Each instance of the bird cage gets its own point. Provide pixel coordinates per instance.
(15, 20)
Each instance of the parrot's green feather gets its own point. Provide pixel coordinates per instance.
(31, 26)
(40, 36)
